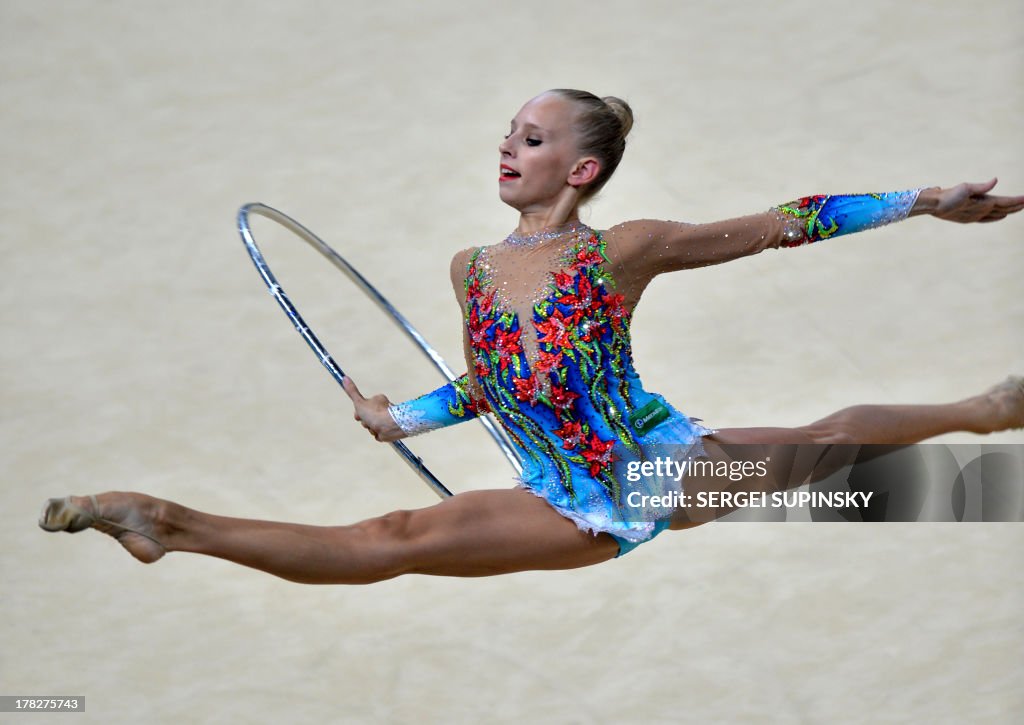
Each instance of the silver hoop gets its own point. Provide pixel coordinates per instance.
(414, 461)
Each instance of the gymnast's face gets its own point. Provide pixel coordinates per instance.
(539, 156)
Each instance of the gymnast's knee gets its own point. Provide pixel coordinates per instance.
(392, 540)
(393, 526)
(833, 430)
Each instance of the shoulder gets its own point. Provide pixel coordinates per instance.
(459, 270)
(638, 230)
(640, 240)
(460, 263)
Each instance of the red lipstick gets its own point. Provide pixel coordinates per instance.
(508, 173)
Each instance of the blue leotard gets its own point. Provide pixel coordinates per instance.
(547, 333)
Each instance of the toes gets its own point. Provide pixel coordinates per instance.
(60, 514)
(52, 516)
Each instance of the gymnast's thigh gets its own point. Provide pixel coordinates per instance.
(481, 533)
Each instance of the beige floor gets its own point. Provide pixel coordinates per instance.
(140, 350)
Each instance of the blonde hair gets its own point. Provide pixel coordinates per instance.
(601, 126)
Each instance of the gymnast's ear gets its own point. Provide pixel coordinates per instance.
(584, 172)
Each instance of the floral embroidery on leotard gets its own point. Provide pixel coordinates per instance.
(583, 348)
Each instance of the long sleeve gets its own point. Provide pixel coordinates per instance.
(644, 248)
(448, 405)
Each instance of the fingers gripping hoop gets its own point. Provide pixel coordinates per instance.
(414, 461)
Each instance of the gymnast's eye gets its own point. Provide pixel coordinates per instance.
(533, 142)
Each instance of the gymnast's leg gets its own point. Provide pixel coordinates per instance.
(999, 408)
(478, 533)
(812, 452)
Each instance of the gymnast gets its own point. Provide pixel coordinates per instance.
(547, 345)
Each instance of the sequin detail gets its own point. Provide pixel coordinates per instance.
(529, 240)
(413, 420)
(445, 406)
(566, 406)
(494, 270)
(813, 218)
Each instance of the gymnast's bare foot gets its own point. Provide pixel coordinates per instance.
(134, 519)
(1006, 401)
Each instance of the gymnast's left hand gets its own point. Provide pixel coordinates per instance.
(967, 203)
(372, 413)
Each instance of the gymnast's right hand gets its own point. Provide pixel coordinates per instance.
(372, 413)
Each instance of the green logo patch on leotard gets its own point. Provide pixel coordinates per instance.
(649, 416)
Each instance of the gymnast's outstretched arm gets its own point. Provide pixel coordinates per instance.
(648, 248)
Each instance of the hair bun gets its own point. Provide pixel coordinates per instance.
(622, 112)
